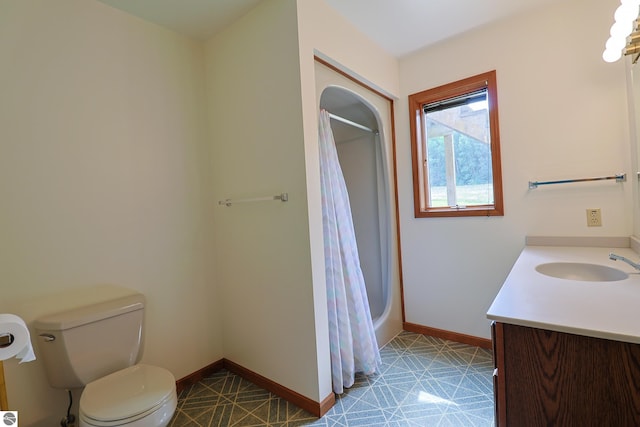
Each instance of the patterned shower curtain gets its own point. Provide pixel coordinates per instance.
(352, 337)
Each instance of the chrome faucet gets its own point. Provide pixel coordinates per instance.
(621, 258)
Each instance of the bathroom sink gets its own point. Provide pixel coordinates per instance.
(581, 271)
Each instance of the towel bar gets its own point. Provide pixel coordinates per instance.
(284, 197)
(621, 177)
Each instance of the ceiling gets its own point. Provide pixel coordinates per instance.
(404, 26)
(398, 26)
(199, 19)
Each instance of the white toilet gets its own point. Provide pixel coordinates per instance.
(96, 345)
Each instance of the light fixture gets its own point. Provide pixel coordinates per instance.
(611, 55)
(621, 29)
(626, 12)
(624, 26)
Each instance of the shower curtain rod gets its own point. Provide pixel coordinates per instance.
(351, 123)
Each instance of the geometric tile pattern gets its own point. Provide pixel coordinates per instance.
(424, 381)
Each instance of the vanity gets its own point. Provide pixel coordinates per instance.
(566, 339)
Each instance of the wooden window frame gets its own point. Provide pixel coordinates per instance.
(417, 101)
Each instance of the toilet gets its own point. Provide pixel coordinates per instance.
(96, 343)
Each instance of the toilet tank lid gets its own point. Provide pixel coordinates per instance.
(83, 315)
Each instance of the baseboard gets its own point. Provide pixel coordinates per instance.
(193, 378)
(316, 408)
(448, 335)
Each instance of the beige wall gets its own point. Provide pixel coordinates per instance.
(102, 179)
(263, 248)
(562, 115)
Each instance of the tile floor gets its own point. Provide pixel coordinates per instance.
(424, 381)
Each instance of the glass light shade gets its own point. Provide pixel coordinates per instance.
(635, 2)
(621, 29)
(615, 43)
(611, 55)
(626, 12)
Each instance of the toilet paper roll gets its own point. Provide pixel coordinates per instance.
(18, 341)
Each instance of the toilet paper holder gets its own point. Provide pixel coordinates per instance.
(6, 339)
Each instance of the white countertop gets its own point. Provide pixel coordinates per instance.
(609, 310)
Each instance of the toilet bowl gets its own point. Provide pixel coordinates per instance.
(137, 396)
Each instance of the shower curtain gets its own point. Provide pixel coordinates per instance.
(352, 338)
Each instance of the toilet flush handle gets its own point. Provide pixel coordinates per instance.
(48, 337)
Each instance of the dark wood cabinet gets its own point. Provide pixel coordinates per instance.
(548, 378)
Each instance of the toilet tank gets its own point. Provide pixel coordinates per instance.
(87, 342)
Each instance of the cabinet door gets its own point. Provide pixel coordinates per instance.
(558, 379)
(498, 375)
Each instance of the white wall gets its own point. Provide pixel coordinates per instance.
(102, 143)
(562, 115)
(326, 33)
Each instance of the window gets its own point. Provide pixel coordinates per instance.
(455, 148)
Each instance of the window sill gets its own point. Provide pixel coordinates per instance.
(459, 212)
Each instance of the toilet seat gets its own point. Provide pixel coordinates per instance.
(128, 395)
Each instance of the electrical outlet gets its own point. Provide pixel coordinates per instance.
(594, 218)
